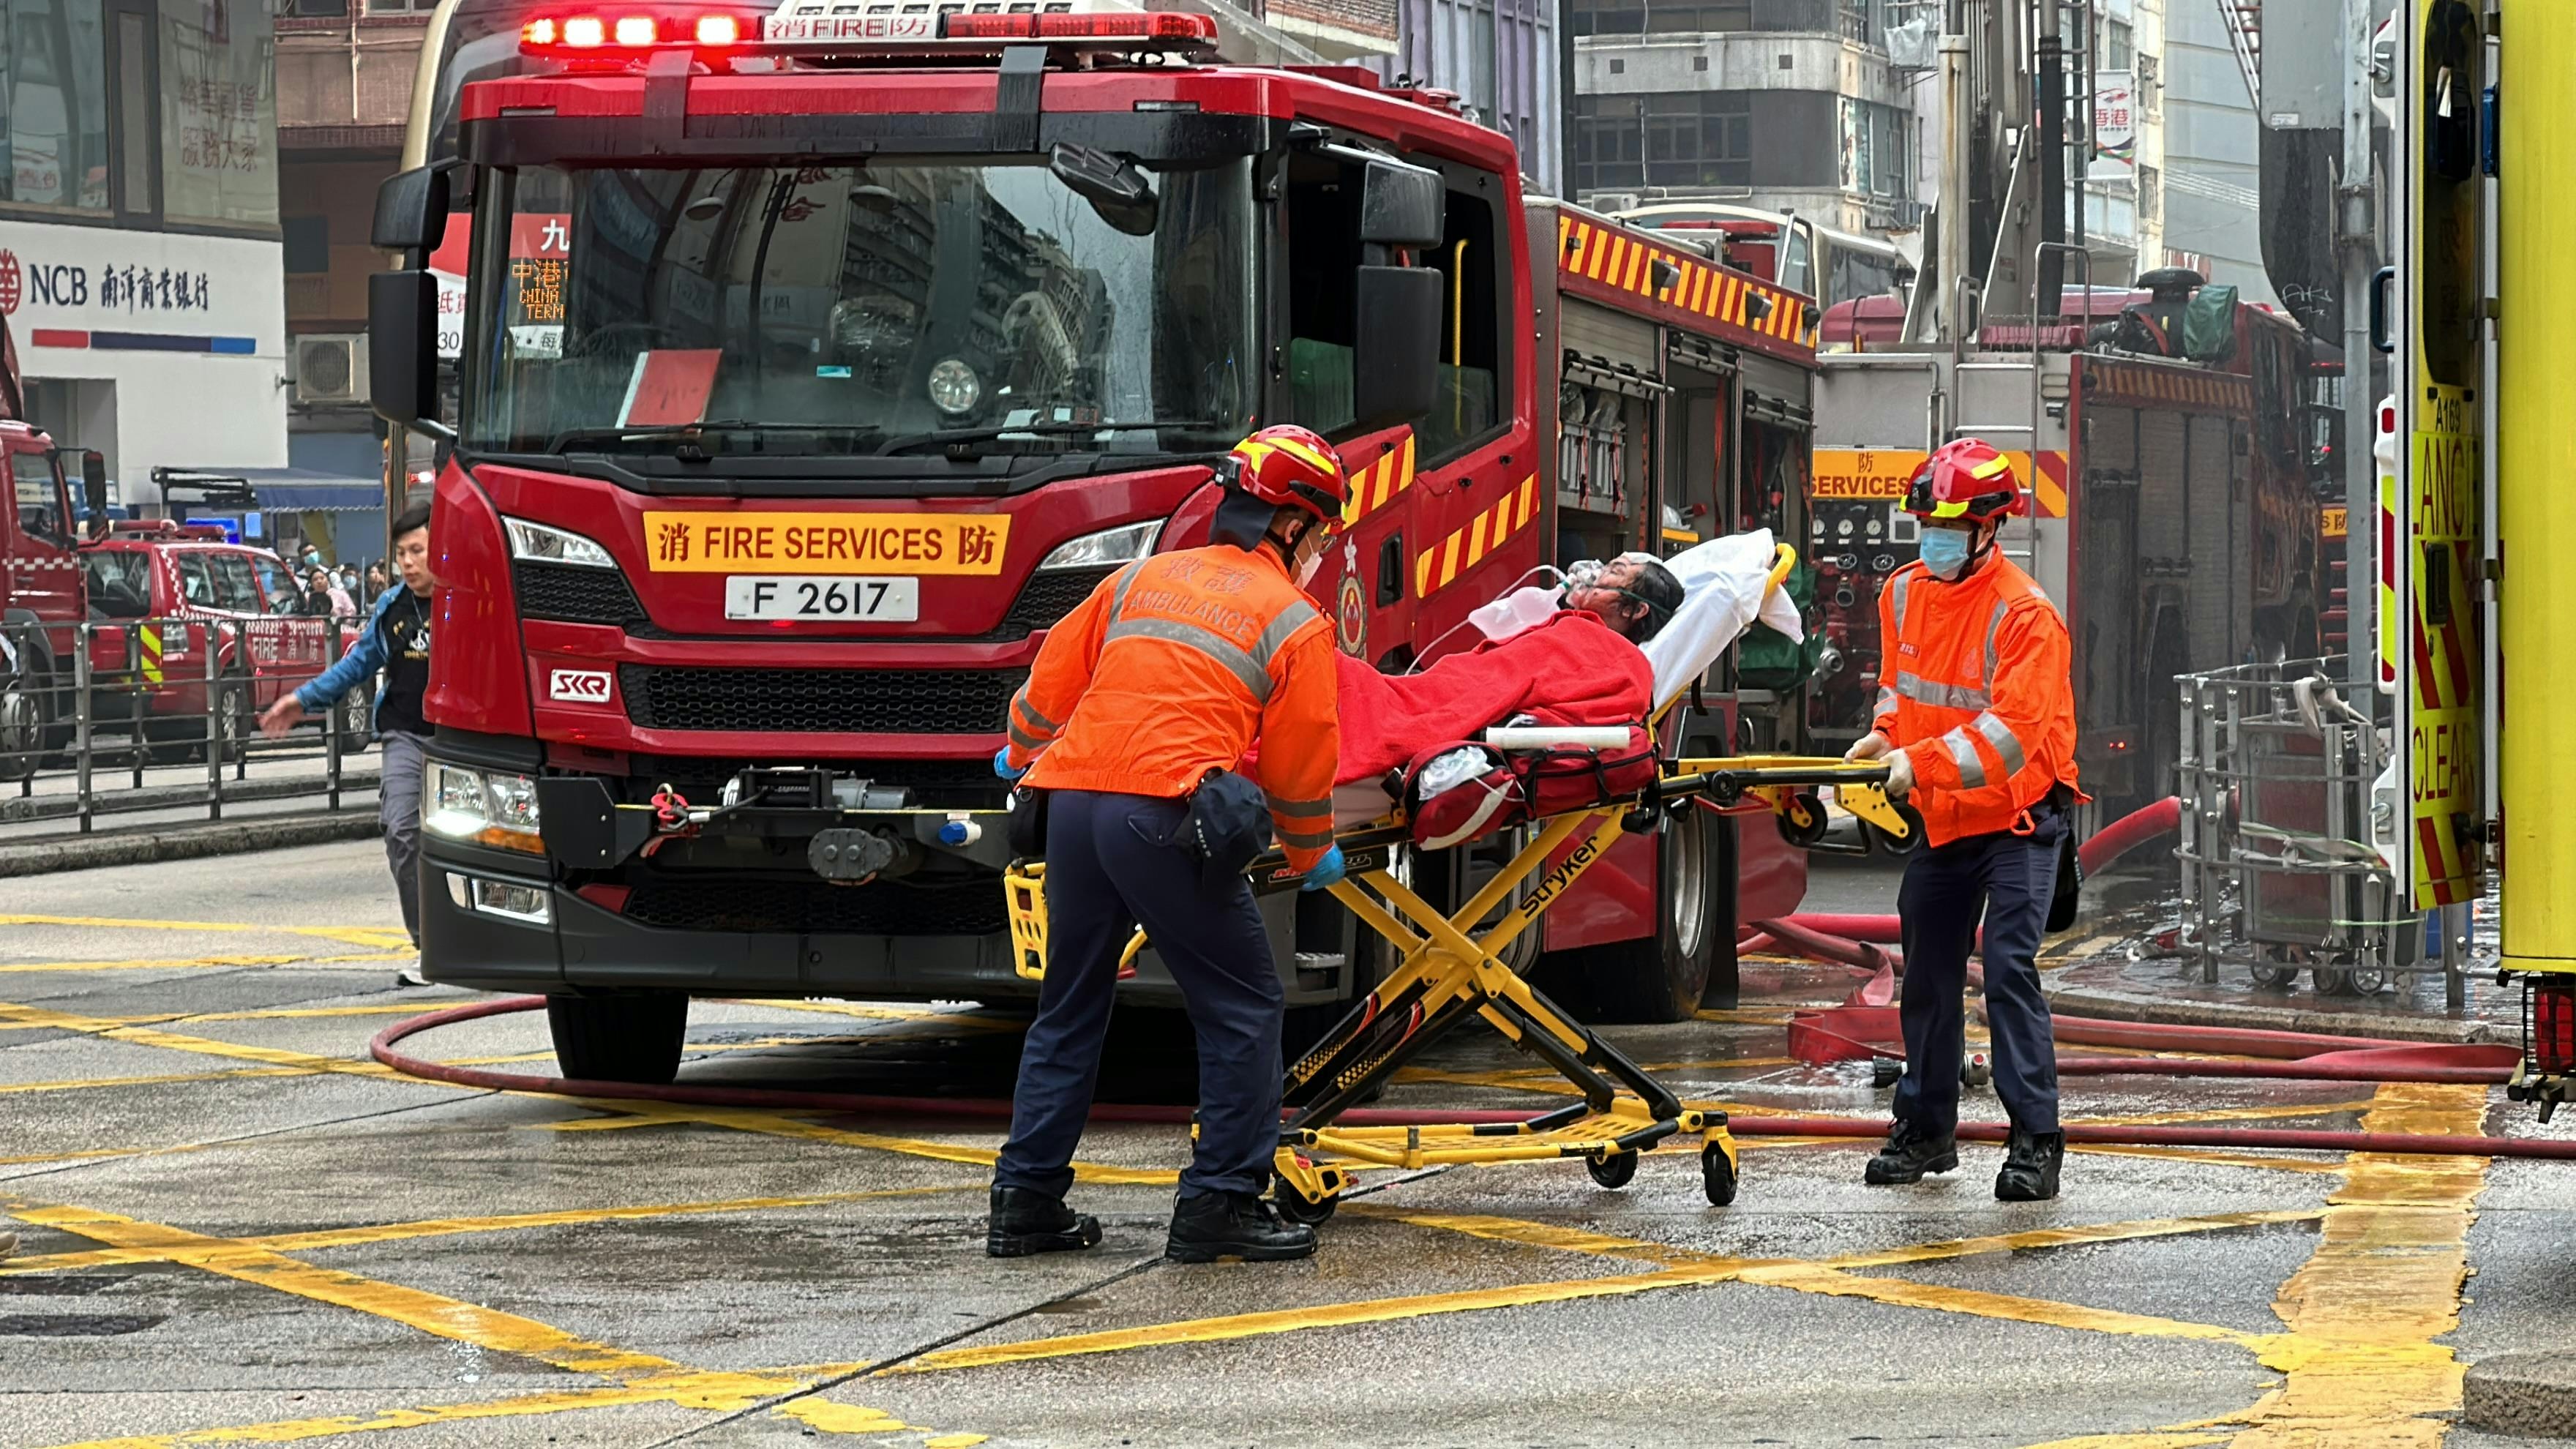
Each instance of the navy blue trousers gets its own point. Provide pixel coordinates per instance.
(1107, 872)
(2005, 880)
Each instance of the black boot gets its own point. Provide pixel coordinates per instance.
(1208, 1226)
(1910, 1152)
(2030, 1166)
(1027, 1221)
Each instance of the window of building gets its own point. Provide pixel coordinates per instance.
(398, 7)
(2118, 44)
(1856, 21)
(1873, 149)
(1664, 138)
(1660, 17)
(1479, 20)
(53, 89)
(219, 113)
(308, 243)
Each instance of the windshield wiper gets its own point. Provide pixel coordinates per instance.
(953, 436)
(571, 437)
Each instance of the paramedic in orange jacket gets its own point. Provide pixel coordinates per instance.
(1172, 669)
(1976, 719)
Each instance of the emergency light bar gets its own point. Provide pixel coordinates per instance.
(616, 36)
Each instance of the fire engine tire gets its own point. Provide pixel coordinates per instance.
(22, 727)
(631, 1036)
(233, 719)
(1662, 980)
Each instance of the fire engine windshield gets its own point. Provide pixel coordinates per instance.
(864, 308)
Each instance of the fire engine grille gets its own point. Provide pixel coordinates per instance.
(814, 701)
(1046, 598)
(574, 595)
(885, 908)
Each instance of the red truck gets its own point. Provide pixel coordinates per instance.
(43, 596)
(182, 585)
(809, 375)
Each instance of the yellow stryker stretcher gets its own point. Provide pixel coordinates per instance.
(1446, 973)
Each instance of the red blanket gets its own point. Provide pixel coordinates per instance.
(1572, 670)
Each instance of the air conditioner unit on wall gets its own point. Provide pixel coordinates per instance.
(331, 367)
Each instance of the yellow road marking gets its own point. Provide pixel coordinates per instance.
(1904, 1293)
(746, 1119)
(2382, 1285)
(286, 1431)
(351, 935)
(1547, 1235)
(885, 1013)
(442, 1227)
(2208, 1155)
(156, 963)
(439, 1316)
(111, 1028)
(75, 1084)
(2227, 1114)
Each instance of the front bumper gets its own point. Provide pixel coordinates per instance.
(585, 946)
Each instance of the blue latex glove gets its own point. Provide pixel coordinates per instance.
(1326, 873)
(1002, 764)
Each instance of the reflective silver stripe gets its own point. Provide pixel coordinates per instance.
(1994, 626)
(1037, 723)
(1024, 739)
(2000, 735)
(1306, 839)
(1302, 809)
(1206, 641)
(1886, 701)
(1275, 637)
(1963, 753)
(1126, 581)
(1923, 691)
(1899, 585)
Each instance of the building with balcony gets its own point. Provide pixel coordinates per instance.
(2124, 201)
(1502, 59)
(140, 266)
(1785, 105)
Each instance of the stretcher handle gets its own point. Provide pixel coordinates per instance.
(1784, 559)
(1552, 737)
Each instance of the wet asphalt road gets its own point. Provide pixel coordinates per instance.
(238, 1228)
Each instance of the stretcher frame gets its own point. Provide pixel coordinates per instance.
(1448, 973)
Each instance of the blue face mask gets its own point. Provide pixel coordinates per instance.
(1945, 551)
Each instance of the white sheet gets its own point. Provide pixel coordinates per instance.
(1722, 585)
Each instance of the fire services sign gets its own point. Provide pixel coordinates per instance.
(1869, 473)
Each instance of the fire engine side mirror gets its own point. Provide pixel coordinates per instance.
(1395, 360)
(1402, 205)
(402, 345)
(411, 210)
(94, 482)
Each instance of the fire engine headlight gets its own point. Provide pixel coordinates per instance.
(545, 544)
(954, 387)
(500, 898)
(1126, 542)
(485, 807)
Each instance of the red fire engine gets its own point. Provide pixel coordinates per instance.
(809, 375)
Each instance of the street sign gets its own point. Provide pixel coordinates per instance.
(2439, 558)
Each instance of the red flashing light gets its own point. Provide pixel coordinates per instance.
(2553, 1028)
(1143, 25)
(637, 30)
(719, 30)
(988, 27)
(541, 31)
(585, 32)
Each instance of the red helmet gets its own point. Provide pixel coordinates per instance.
(1289, 466)
(1964, 479)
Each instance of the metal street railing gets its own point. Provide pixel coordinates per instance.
(133, 716)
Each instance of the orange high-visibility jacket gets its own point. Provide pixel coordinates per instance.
(1975, 687)
(1173, 667)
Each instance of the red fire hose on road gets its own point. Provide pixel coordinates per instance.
(383, 1049)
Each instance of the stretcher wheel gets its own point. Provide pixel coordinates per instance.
(1913, 840)
(2332, 980)
(1806, 803)
(1296, 1208)
(1717, 1174)
(1616, 1170)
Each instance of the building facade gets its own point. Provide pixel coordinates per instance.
(2213, 154)
(140, 252)
(1786, 105)
(1502, 58)
(2123, 224)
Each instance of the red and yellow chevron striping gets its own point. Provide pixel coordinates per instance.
(1380, 482)
(1437, 566)
(1627, 264)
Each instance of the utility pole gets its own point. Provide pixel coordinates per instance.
(1957, 127)
(2356, 218)
(2048, 299)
